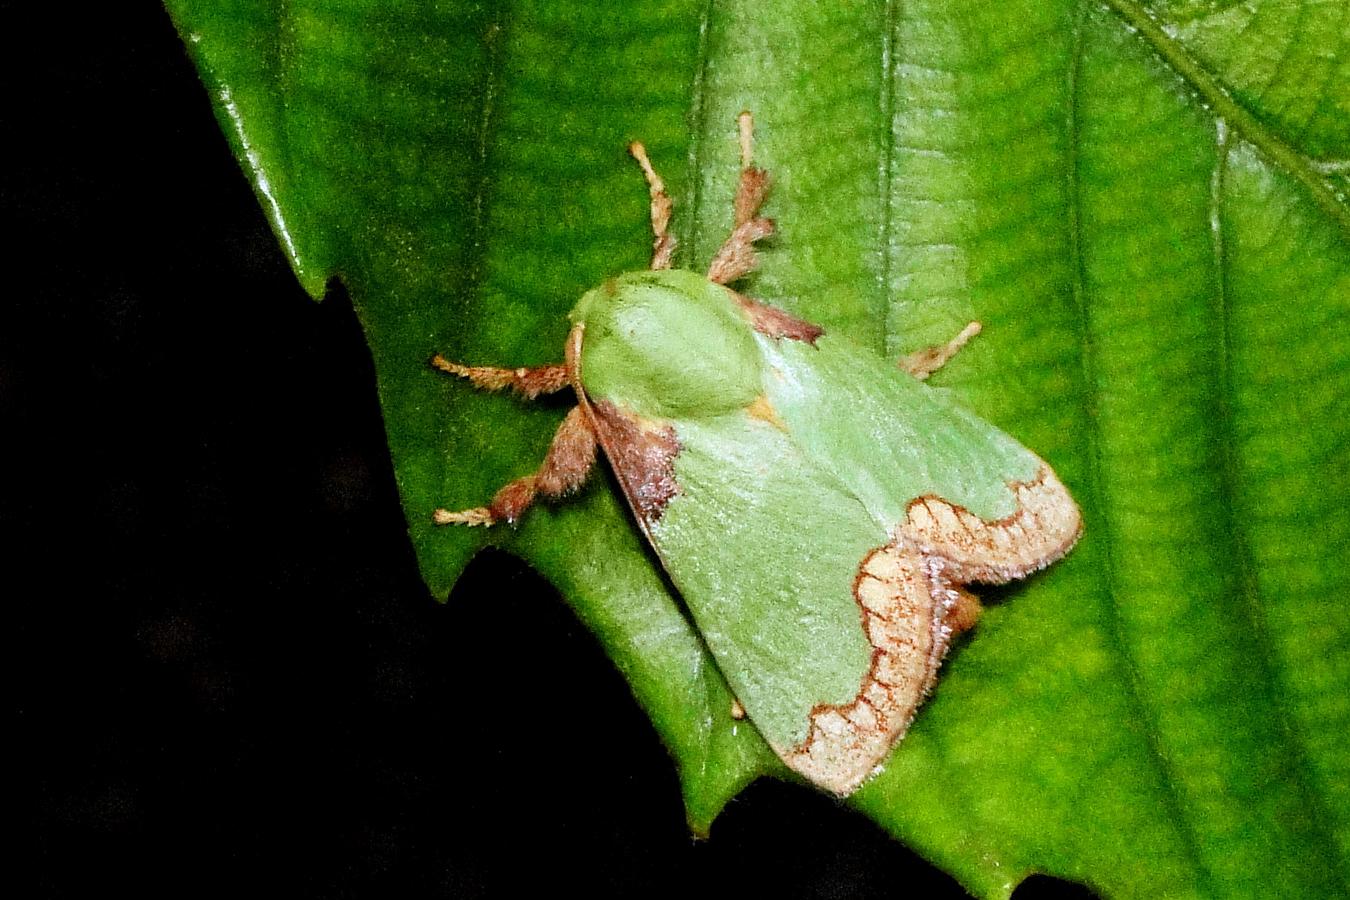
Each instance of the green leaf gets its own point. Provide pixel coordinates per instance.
(1144, 203)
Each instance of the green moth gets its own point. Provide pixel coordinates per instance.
(819, 508)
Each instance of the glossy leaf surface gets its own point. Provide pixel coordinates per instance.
(1145, 204)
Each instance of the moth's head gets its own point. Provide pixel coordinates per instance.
(668, 344)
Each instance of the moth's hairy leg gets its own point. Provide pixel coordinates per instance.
(528, 382)
(754, 184)
(925, 362)
(736, 257)
(570, 459)
(663, 242)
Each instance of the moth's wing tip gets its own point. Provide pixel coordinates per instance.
(840, 780)
(1044, 526)
(1057, 517)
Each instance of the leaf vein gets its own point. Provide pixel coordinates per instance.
(698, 114)
(887, 160)
(1207, 85)
(1186, 831)
(1294, 744)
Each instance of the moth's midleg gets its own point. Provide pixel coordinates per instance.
(570, 459)
(663, 242)
(925, 362)
(736, 256)
(527, 381)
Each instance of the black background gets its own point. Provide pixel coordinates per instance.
(230, 678)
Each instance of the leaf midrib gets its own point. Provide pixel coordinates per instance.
(1238, 117)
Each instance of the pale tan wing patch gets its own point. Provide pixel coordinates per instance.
(904, 600)
(1044, 527)
(911, 599)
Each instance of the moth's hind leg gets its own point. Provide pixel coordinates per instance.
(663, 242)
(570, 459)
(964, 612)
(925, 362)
(737, 254)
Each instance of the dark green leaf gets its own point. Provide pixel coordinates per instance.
(1145, 204)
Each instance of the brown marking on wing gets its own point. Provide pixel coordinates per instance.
(777, 324)
(642, 454)
(911, 599)
(904, 601)
(1044, 527)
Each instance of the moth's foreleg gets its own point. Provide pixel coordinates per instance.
(754, 184)
(663, 242)
(925, 362)
(570, 459)
(527, 382)
(736, 257)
